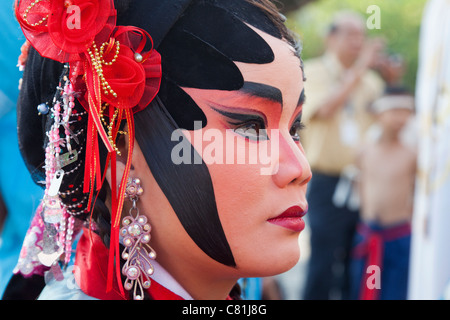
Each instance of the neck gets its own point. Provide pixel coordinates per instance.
(201, 283)
(389, 137)
(212, 289)
(346, 62)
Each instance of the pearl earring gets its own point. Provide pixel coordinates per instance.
(137, 253)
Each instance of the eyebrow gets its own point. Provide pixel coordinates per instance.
(262, 91)
(302, 98)
(240, 116)
(268, 92)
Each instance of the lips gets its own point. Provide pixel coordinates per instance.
(290, 219)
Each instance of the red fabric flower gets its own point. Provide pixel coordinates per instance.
(126, 77)
(63, 29)
(135, 94)
(153, 71)
(134, 81)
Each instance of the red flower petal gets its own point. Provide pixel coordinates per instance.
(135, 83)
(63, 29)
(126, 78)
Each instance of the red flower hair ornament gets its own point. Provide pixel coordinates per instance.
(110, 69)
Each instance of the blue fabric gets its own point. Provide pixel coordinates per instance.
(19, 192)
(251, 288)
(394, 268)
(66, 289)
(12, 39)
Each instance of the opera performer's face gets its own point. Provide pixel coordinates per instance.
(252, 148)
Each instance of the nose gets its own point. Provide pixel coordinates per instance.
(293, 167)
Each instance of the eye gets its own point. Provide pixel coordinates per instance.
(250, 126)
(252, 129)
(297, 126)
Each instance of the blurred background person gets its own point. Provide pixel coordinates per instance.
(387, 169)
(20, 195)
(392, 69)
(430, 254)
(339, 88)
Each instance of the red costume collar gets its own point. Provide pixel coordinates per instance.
(92, 265)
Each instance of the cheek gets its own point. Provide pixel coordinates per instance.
(235, 169)
(245, 199)
(240, 193)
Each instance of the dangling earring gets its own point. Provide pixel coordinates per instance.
(137, 253)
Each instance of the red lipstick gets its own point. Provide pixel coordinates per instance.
(290, 219)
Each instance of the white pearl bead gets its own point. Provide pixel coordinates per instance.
(43, 108)
(138, 57)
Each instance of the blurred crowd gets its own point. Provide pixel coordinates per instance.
(362, 186)
(368, 211)
(377, 203)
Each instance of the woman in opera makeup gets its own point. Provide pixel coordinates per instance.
(230, 68)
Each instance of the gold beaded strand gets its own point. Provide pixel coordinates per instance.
(115, 55)
(27, 11)
(97, 62)
(110, 126)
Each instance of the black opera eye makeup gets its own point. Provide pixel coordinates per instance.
(297, 124)
(250, 126)
(296, 128)
(254, 127)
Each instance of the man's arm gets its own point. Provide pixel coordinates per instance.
(342, 91)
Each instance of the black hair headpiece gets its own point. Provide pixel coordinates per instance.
(155, 16)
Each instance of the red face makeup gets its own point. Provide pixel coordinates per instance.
(261, 214)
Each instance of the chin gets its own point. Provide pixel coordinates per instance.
(287, 262)
(284, 252)
(274, 260)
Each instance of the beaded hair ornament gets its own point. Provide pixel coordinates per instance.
(107, 70)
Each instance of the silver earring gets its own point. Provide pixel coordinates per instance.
(137, 254)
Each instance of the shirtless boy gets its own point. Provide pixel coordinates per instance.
(386, 186)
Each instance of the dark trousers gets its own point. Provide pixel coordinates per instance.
(394, 243)
(332, 229)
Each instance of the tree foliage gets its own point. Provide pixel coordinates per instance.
(399, 25)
